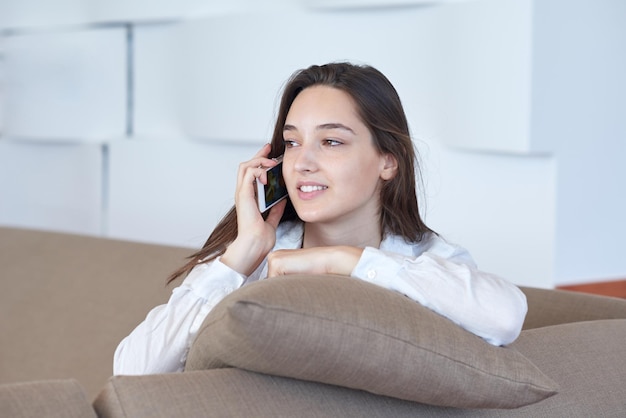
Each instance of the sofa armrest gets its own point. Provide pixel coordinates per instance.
(552, 307)
(45, 398)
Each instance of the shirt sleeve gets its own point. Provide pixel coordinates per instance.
(161, 342)
(445, 279)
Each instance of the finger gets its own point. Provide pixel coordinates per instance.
(271, 265)
(245, 181)
(256, 160)
(261, 159)
(276, 213)
(250, 172)
(278, 262)
(256, 168)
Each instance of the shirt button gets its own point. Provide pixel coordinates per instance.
(371, 274)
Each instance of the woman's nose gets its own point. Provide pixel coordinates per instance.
(306, 159)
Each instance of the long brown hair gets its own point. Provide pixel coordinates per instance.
(380, 108)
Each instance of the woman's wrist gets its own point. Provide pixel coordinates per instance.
(344, 259)
(244, 257)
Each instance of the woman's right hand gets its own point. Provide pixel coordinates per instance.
(256, 236)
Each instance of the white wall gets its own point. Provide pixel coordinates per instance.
(119, 117)
(54, 186)
(66, 85)
(170, 192)
(2, 85)
(579, 113)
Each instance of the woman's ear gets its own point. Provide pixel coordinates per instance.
(390, 167)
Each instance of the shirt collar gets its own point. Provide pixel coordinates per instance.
(289, 236)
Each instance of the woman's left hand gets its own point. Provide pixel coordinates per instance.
(339, 260)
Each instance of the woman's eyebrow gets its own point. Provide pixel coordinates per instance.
(322, 127)
(327, 126)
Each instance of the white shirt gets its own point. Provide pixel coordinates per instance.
(439, 275)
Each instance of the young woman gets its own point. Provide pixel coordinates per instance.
(349, 167)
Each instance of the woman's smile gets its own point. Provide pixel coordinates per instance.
(308, 191)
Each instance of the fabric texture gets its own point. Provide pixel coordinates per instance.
(586, 359)
(552, 307)
(49, 399)
(67, 301)
(239, 393)
(350, 333)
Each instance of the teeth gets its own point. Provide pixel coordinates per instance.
(309, 189)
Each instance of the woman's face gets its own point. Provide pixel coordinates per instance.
(331, 168)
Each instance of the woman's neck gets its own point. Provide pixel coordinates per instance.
(322, 235)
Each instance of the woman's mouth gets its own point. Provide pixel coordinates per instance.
(310, 189)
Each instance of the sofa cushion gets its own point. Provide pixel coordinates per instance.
(238, 393)
(585, 358)
(350, 333)
(63, 398)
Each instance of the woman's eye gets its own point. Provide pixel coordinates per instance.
(289, 143)
(332, 142)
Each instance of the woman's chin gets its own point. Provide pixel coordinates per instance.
(310, 216)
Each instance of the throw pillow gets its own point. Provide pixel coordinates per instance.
(347, 332)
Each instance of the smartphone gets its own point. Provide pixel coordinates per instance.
(275, 190)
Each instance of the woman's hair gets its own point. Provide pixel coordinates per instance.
(380, 108)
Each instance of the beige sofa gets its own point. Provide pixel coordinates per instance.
(303, 346)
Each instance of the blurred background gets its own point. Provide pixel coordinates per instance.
(128, 118)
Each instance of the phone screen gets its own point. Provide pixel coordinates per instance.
(275, 189)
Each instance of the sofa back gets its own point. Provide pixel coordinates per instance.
(68, 300)
(548, 307)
